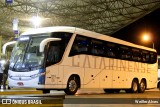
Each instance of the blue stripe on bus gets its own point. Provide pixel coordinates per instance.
(41, 77)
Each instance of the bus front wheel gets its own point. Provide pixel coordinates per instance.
(72, 86)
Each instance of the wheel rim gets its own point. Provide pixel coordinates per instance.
(72, 85)
(135, 87)
(142, 86)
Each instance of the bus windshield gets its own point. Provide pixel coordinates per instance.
(25, 55)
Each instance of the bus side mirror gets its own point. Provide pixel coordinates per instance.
(7, 44)
(45, 41)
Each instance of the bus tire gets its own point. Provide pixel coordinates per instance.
(142, 86)
(134, 87)
(72, 86)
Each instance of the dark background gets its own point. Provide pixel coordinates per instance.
(133, 32)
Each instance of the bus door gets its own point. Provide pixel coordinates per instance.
(53, 58)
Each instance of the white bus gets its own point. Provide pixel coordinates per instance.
(69, 58)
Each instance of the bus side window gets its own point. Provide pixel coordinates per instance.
(83, 47)
(153, 57)
(97, 47)
(145, 56)
(111, 50)
(80, 46)
(124, 53)
(54, 53)
(136, 55)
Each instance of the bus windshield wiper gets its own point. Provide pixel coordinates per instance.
(16, 60)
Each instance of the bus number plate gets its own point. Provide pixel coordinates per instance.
(20, 83)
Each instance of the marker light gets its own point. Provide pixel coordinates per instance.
(24, 38)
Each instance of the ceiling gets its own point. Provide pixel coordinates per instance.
(102, 16)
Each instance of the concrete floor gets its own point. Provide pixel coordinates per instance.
(97, 98)
(91, 98)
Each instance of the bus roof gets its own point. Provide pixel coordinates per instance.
(49, 30)
(85, 33)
